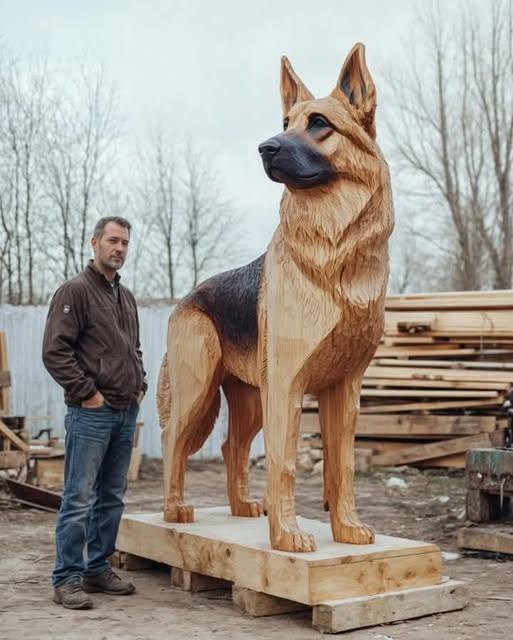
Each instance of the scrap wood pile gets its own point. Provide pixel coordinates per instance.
(438, 382)
(17, 448)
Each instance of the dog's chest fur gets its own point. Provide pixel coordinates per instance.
(349, 347)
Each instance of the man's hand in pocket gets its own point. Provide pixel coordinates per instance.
(94, 401)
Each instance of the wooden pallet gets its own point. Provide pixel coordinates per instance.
(392, 579)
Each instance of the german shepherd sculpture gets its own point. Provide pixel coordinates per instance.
(306, 317)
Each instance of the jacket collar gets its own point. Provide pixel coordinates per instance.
(98, 275)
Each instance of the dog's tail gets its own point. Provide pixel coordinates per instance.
(164, 394)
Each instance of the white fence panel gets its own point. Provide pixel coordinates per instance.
(34, 393)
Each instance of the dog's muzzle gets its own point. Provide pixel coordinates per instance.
(289, 158)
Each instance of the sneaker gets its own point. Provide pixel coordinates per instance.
(72, 596)
(108, 582)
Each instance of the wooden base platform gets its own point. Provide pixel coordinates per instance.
(237, 549)
(349, 586)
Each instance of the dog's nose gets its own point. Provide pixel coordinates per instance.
(269, 148)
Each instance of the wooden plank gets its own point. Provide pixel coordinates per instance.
(258, 604)
(12, 459)
(430, 406)
(453, 322)
(237, 549)
(382, 446)
(429, 425)
(448, 364)
(411, 373)
(366, 611)
(426, 393)
(434, 384)
(410, 425)
(434, 350)
(433, 450)
(494, 538)
(408, 340)
(13, 438)
(459, 300)
(454, 461)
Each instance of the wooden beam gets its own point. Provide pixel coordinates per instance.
(424, 425)
(426, 393)
(494, 538)
(367, 611)
(448, 364)
(403, 371)
(434, 384)
(454, 461)
(433, 450)
(430, 406)
(410, 425)
(458, 300)
(13, 438)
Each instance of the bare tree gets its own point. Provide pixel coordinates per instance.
(78, 160)
(158, 203)
(23, 108)
(209, 224)
(453, 127)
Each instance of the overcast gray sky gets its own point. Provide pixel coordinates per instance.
(211, 69)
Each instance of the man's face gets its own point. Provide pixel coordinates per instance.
(111, 249)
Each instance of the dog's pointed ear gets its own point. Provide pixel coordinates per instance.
(291, 88)
(355, 84)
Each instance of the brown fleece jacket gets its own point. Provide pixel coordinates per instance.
(91, 341)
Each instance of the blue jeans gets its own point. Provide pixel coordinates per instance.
(98, 451)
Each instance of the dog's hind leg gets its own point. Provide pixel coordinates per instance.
(245, 420)
(194, 375)
(338, 416)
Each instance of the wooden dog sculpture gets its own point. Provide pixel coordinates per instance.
(305, 317)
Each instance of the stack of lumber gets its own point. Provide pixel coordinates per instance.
(438, 381)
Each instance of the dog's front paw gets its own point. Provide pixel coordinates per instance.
(292, 538)
(179, 513)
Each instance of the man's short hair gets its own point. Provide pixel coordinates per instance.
(99, 227)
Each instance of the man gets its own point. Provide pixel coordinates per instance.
(91, 348)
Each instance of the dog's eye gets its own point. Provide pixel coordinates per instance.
(285, 124)
(318, 122)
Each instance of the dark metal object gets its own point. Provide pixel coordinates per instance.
(42, 432)
(33, 496)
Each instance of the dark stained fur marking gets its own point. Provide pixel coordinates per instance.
(230, 300)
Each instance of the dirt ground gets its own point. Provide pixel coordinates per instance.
(430, 508)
